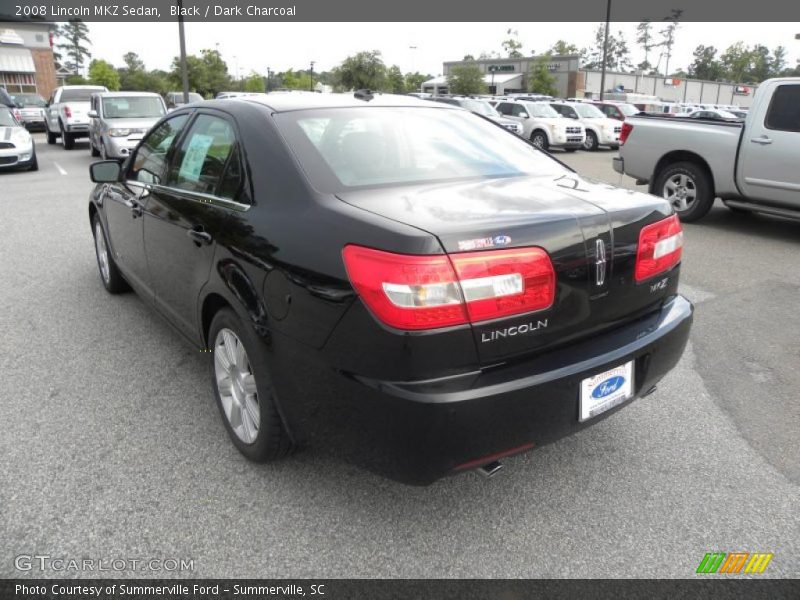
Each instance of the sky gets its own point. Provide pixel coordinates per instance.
(250, 47)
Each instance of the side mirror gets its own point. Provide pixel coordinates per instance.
(105, 171)
(92, 114)
(525, 115)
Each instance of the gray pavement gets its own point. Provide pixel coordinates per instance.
(111, 445)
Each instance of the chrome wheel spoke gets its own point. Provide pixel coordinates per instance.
(236, 385)
(249, 384)
(221, 360)
(253, 411)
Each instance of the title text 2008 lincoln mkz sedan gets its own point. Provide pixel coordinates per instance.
(406, 283)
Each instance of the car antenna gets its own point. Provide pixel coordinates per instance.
(365, 95)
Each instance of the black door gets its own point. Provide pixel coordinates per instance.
(126, 202)
(186, 215)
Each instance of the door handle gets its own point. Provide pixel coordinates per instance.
(763, 140)
(200, 237)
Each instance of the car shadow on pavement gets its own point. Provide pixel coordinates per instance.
(723, 219)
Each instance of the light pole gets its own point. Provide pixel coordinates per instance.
(492, 69)
(605, 51)
(269, 74)
(412, 48)
(182, 38)
(312, 76)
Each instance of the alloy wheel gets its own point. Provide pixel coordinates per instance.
(681, 191)
(102, 252)
(236, 385)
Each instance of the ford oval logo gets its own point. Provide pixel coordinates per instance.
(501, 240)
(608, 387)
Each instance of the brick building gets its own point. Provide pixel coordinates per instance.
(26, 58)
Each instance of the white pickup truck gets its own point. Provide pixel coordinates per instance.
(752, 165)
(67, 113)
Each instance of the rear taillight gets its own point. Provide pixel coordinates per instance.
(68, 112)
(426, 292)
(660, 248)
(626, 131)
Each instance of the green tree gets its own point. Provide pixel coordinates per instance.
(540, 80)
(364, 70)
(103, 73)
(760, 63)
(75, 35)
(76, 80)
(562, 48)
(254, 82)
(395, 82)
(207, 73)
(668, 35)
(466, 79)
(296, 80)
(618, 56)
(415, 80)
(705, 64)
(778, 64)
(644, 37)
(511, 45)
(737, 63)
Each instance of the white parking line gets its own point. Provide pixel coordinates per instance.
(60, 170)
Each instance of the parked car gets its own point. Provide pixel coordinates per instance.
(175, 99)
(31, 110)
(600, 130)
(119, 121)
(6, 99)
(751, 165)
(480, 107)
(223, 95)
(712, 113)
(67, 113)
(542, 125)
(457, 303)
(616, 110)
(17, 148)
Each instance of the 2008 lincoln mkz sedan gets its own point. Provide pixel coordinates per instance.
(405, 283)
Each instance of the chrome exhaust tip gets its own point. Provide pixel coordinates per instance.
(490, 469)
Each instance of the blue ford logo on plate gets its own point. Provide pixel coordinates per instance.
(608, 387)
(502, 240)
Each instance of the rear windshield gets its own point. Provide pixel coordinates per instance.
(79, 95)
(26, 100)
(346, 148)
(132, 107)
(6, 118)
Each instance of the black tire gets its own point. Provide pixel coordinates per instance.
(115, 283)
(67, 139)
(539, 139)
(570, 149)
(591, 141)
(34, 166)
(272, 441)
(51, 137)
(95, 152)
(697, 179)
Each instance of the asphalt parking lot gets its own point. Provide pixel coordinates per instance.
(112, 446)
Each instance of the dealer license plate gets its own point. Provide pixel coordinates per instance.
(606, 390)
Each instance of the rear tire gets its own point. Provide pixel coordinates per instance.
(539, 139)
(67, 139)
(246, 401)
(570, 149)
(110, 275)
(95, 152)
(688, 187)
(34, 162)
(51, 137)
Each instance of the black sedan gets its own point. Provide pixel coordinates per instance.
(406, 284)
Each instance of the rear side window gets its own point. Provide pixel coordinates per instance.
(503, 108)
(150, 161)
(203, 157)
(784, 110)
(517, 110)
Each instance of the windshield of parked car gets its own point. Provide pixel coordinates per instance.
(349, 148)
(26, 100)
(132, 107)
(177, 97)
(628, 109)
(542, 111)
(79, 95)
(482, 107)
(589, 111)
(6, 118)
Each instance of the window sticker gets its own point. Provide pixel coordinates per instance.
(195, 157)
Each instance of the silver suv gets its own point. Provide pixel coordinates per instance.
(119, 121)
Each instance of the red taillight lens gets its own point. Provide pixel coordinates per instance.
(626, 131)
(660, 248)
(426, 292)
(68, 112)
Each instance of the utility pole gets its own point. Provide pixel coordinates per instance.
(412, 48)
(605, 51)
(312, 76)
(184, 71)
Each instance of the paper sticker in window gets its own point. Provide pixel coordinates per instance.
(195, 156)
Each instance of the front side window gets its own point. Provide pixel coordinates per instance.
(150, 160)
(203, 156)
(518, 110)
(784, 110)
(349, 148)
(504, 108)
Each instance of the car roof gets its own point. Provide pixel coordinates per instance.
(283, 102)
(83, 87)
(126, 94)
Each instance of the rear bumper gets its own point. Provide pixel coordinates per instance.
(417, 432)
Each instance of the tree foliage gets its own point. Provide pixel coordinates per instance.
(563, 48)
(739, 63)
(511, 45)
(74, 36)
(207, 73)
(466, 79)
(618, 57)
(645, 39)
(253, 83)
(104, 73)
(540, 80)
(364, 70)
(415, 80)
(395, 81)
